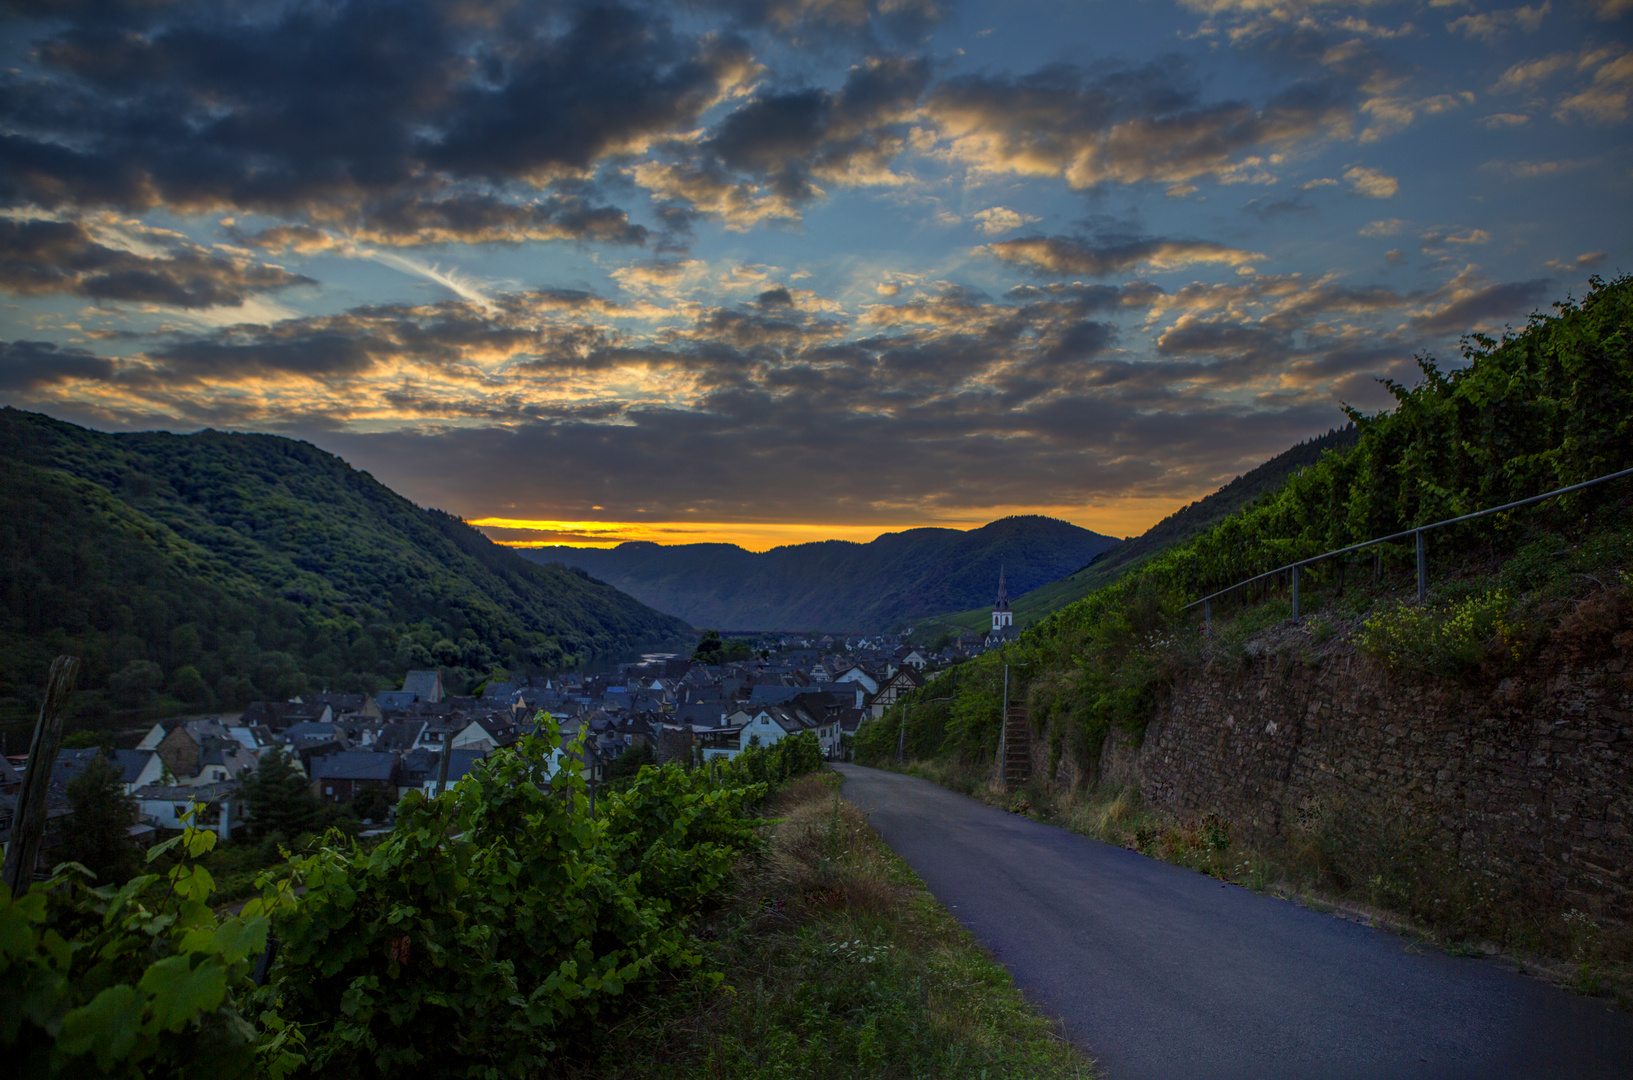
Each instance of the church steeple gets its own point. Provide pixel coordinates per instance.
(1001, 615)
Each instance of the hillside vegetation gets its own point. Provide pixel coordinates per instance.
(1174, 529)
(838, 584)
(214, 568)
(1546, 407)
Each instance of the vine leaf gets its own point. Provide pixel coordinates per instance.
(180, 991)
(107, 1026)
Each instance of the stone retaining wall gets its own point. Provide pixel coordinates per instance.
(1532, 779)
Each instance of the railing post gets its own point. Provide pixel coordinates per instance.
(901, 735)
(1295, 592)
(1207, 618)
(1423, 572)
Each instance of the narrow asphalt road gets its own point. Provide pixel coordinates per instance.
(1163, 973)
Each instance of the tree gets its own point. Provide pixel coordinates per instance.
(708, 650)
(99, 834)
(133, 685)
(370, 804)
(627, 765)
(278, 800)
(186, 684)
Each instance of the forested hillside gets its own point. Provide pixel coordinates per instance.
(1549, 406)
(215, 568)
(837, 584)
(1173, 529)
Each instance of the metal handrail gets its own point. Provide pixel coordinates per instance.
(1416, 533)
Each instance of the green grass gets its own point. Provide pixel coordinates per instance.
(837, 963)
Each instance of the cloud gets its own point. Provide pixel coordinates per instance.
(704, 187)
(807, 21)
(1590, 260)
(1390, 114)
(1498, 121)
(452, 280)
(31, 365)
(1606, 99)
(41, 257)
(1269, 209)
(1603, 99)
(1529, 72)
(1118, 126)
(484, 218)
(1437, 239)
(1068, 255)
(1055, 393)
(1000, 219)
(401, 123)
(1531, 170)
(770, 155)
(1385, 227)
(1468, 303)
(1372, 183)
(1488, 26)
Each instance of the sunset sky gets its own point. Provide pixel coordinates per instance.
(779, 270)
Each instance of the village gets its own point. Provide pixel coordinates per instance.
(363, 752)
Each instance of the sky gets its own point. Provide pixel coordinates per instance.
(769, 271)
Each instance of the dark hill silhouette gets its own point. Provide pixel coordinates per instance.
(838, 584)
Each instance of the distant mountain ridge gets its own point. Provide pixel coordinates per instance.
(1173, 529)
(839, 584)
(242, 566)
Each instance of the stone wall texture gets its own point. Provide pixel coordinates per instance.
(1532, 777)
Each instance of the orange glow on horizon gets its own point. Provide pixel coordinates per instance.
(1129, 516)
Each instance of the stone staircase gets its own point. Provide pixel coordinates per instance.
(1017, 747)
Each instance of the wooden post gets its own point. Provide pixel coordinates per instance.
(1295, 592)
(28, 824)
(442, 766)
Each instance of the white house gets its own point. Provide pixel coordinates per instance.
(164, 806)
(769, 724)
(138, 768)
(476, 736)
(860, 676)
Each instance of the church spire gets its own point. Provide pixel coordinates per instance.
(1002, 617)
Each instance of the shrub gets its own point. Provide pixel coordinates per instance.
(141, 980)
(1450, 638)
(501, 917)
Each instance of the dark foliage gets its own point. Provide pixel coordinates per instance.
(214, 568)
(99, 837)
(1544, 408)
(278, 801)
(1176, 528)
